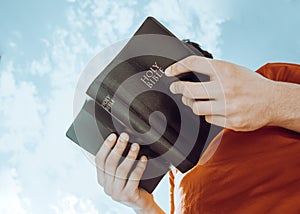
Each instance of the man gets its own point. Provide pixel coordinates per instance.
(251, 166)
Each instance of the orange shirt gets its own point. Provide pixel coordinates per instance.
(250, 172)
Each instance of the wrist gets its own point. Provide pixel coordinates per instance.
(275, 104)
(282, 106)
(150, 208)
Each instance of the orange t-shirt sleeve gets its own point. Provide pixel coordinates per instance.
(284, 72)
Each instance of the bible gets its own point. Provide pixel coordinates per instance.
(131, 94)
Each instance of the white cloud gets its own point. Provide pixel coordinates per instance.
(199, 21)
(53, 173)
(173, 14)
(20, 111)
(17, 34)
(70, 204)
(11, 197)
(208, 17)
(41, 67)
(7, 81)
(34, 132)
(12, 44)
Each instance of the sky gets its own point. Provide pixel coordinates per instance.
(45, 45)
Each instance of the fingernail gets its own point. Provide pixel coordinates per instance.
(168, 71)
(111, 137)
(134, 147)
(172, 88)
(124, 137)
(143, 158)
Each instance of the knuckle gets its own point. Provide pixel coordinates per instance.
(113, 158)
(131, 155)
(135, 174)
(237, 123)
(187, 91)
(138, 170)
(109, 167)
(119, 146)
(121, 171)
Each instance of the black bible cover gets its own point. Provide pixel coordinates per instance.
(132, 94)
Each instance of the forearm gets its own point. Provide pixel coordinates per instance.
(286, 106)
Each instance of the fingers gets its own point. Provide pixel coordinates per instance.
(112, 162)
(194, 90)
(199, 107)
(209, 107)
(136, 174)
(102, 155)
(113, 175)
(191, 63)
(115, 155)
(124, 168)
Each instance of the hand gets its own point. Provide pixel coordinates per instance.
(115, 178)
(239, 99)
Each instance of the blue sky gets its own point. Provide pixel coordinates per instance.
(46, 44)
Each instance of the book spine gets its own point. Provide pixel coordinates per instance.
(154, 140)
(138, 107)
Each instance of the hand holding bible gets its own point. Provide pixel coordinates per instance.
(121, 180)
(235, 97)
